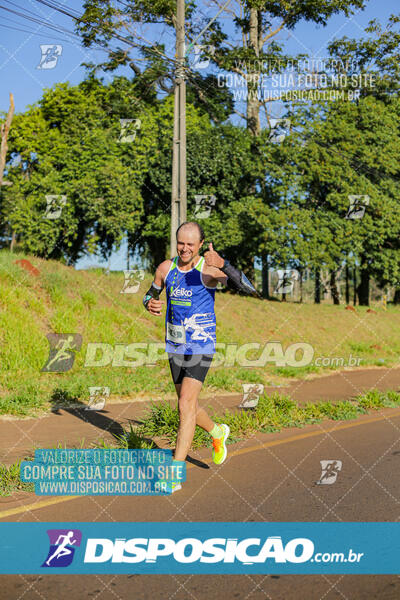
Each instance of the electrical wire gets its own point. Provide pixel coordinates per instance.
(190, 75)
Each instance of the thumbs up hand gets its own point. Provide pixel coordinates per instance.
(212, 258)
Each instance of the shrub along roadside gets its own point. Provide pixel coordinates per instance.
(10, 481)
(272, 414)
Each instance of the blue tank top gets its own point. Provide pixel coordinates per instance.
(190, 322)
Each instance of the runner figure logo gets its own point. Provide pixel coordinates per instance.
(62, 351)
(55, 204)
(133, 277)
(129, 128)
(204, 204)
(286, 279)
(251, 394)
(50, 55)
(97, 399)
(62, 547)
(280, 128)
(330, 470)
(200, 51)
(198, 323)
(357, 207)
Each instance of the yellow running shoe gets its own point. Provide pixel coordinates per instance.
(174, 486)
(219, 448)
(170, 487)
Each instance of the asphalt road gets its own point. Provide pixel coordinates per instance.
(78, 428)
(270, 477)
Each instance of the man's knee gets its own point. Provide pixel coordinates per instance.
(187, 404)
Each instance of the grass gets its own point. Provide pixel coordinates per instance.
(272, 414)
(10, 481)
(296, 371)
(63, 300)
(131, 440)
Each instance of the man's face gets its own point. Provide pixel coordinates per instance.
(188, 243)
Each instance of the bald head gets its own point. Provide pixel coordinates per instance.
(189, 239)
(191, 226)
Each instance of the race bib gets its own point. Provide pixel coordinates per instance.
(176, 333)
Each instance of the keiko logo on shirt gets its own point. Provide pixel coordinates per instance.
(181, 293)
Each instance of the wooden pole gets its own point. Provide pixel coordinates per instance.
(5, 128)
(178, 198)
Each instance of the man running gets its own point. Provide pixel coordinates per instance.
(62, 549)
(190, 330)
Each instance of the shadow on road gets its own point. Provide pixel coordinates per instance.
(63, 400)
(72, 405)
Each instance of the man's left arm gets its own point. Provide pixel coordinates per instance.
(224, 272)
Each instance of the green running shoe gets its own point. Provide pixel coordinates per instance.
(219, 449)
(174, 486)
(171, 486)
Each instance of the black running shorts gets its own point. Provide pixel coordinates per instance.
(189, 365)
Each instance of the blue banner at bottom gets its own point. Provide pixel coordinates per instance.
(236, 548)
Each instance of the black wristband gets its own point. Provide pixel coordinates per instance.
(226, 264)
(153, 292)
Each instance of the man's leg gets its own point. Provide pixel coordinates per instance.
(187, 406)
(188, 376)
(202, 418)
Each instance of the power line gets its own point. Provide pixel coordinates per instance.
(30, 31)
(155, 52)
(56, 6)
(17, 6)
(57, 28)
(77, 18)
(45, 23)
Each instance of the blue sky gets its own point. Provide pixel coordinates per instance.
(20, 52)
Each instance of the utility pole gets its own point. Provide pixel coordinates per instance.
(5, 128)
(179, 199)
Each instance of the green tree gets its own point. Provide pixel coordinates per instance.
(220, 165)
(341, 150)
(68, 145)
(376, 57)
